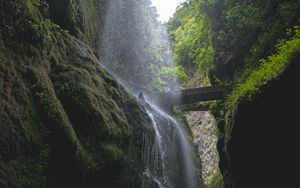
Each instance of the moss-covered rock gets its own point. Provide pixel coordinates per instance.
(264, 138)
(274, 67)
(81, 18)
(65, 122)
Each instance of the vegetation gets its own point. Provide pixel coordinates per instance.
(169, 75)
(139, 50)
(232, 42)
(245, 32)
(270, 67)
(191, 35)
(65, 121)
(241, 44)
(224, 37)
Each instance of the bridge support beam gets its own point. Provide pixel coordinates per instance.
(183, 97)
(201, 94)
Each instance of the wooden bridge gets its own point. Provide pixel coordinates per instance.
(184, 97)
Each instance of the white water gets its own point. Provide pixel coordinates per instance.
(154, 157)
(167, 155)
(166, 150)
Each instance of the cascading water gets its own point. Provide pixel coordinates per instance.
(168, 157)
(169, 162)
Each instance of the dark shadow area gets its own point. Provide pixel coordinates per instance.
(265, 144)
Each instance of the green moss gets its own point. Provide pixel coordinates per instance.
(270, 68)
(74, 122)
(32, 9)
(181, 116)
(28, 166)
(216, 181)
(90, 22)
(200, 106)
(55, 119)
(33, 129)
(114, 153)
(36, 3)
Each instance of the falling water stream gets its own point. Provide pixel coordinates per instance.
(168, 157)
(168, 160)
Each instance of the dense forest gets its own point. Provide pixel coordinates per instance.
(73, 75)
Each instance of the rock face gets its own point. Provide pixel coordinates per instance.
(259, 124)
(65, 122)
(264, 145)
(205, 137)
(205, 134)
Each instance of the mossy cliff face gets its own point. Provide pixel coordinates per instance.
(265, 139)
(262, 94)
(255, 42)
(83, 18)
(65, 122)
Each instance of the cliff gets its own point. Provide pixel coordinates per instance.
(253, 48)
(65, 122)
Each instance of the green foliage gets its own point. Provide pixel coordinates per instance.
(212, 2)
(169, 76)
(235, 43)
(192, 39)
(190, 30)
(243, 15)
(139, 49)
(246, 31)
(206, 81)
(26, 32)
(181, 74)
(216, 181)
(270, 68)
(36, 3)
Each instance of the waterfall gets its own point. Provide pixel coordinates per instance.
(168, 158)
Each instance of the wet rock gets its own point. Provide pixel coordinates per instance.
(205, 138)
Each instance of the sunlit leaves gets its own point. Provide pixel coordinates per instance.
(169, 75)
(191, 32)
